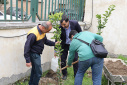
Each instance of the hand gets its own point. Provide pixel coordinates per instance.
(69, 66)
(58, 42)
(55, 55)
(28, 64)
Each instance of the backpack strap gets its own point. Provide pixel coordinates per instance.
(83, 41)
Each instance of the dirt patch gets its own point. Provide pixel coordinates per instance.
(89, 73)
(50, 78)
(116, 68)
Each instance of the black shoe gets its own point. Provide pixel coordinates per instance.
(64, 77)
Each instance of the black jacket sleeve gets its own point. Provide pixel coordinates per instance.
(78, 28)
(31, 38)
(49, 42)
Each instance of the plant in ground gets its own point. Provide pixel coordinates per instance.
(55, 18)
(102, 23)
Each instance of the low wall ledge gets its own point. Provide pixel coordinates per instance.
(20, 25)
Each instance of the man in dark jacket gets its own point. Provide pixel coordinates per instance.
(36, 38)
(66, 26)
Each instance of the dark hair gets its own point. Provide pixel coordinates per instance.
(73, 32)
(64, 17)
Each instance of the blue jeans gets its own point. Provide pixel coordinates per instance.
(36, 71)
(96, 65)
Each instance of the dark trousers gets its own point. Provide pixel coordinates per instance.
(64, 58)
(36, 71)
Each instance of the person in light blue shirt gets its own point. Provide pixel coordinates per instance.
(66, 26)
(86, 56)
(68, 41)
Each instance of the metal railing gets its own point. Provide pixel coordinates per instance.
(14, 10)
(23, 10)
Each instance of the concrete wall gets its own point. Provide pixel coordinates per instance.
(114, 33)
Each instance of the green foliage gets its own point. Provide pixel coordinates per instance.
(23, 81)
(57, 33)
(104, 81)
(55, 18)
(123, 58)
(103, 20)
(44, 74)
(70, 78)
(87, 80)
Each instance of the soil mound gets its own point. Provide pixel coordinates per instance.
(116, 68)
(50, 78)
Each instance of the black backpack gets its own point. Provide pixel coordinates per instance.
(97, 48)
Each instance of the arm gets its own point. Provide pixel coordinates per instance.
(72, 50)
(31, 38)
(98, 37)
(78, 28)
(48, 42)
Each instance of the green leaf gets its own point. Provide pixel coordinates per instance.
(104, 14)
(98, 16)
(101, 23)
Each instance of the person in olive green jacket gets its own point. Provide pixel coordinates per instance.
(86, 56)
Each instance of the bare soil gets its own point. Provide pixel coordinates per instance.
(50, 78)
(89, 73)
(116, 68)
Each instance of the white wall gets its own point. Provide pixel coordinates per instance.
(114, 33)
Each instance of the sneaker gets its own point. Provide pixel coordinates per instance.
(64, 77)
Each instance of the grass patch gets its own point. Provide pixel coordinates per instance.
(123, 58)
(70, 78)
(23, 81)
(44, 73)
(104, 81)
(87, 80)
